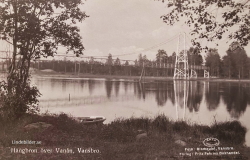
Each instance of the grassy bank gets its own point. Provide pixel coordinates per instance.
(134, 138)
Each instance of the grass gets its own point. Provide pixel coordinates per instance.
(116, 140)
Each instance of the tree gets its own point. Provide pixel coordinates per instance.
(172, 58)
(126, 63)
(227, 66)
(237, 60)
(194, 57)
(212, 19)
(117, 62)
(109, 62)
(140, 60)
(35, 28)
(117, 66)
(91, 62)
(136, 62)
(213, 62)
(145, 60)
(161, 57)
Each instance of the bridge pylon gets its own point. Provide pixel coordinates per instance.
(181, 70)
(206, 74)
(193, 74)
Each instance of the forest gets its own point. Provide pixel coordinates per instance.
(235, 64)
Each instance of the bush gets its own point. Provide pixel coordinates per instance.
(17, 97)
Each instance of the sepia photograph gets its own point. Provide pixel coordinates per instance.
(124, 79)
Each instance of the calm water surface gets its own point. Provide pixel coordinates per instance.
(195, 101)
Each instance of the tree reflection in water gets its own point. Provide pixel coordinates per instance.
(188, 94)
(108, 86)
(91, 84)
(161, 94)
(235, 97)
(212, 94)
(195, 94)
(125, 83)
(64, 85)
(117, 88)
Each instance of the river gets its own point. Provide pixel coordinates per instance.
(200, 102)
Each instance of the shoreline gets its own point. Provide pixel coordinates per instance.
(135, 78)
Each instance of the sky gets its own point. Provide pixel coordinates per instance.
(131, 27)
(125, 26)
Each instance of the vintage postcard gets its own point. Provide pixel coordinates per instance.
(124, 80)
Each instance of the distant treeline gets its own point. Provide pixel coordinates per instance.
(162, 66)
(102, 68)
(235, 64)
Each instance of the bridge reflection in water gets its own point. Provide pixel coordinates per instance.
(184, 96)
(181, 95)
(196, 101)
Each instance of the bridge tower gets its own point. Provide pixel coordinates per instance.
(193, 74)
(181, 70)
(206, 74)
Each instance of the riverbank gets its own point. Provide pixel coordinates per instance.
(50, 73)
(61, 137)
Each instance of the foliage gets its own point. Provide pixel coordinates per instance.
(36, 28)
(126, 63)
(109, 60)
(213, 62)
(212, 19)
(161, 57)
(194, 57)
(237, 60)
(117, 140)
(140, 60)
(15, 102)
(117, 62)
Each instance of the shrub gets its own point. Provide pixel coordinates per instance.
(17, 97)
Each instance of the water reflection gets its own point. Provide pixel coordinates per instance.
(53, 83)
(161, 95)
(181, 90)
(91, 85)
(64, 86)
(117, 87)
(82, 84)
(236, 98)
(188, 96)
(139, 90)
(197, 101)
(195, 94)
(212, 94)
(109, 86)
(125, 84)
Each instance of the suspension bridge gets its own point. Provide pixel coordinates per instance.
(181, 68)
